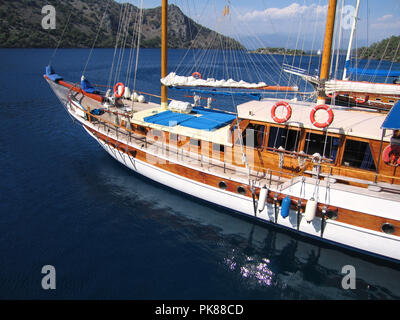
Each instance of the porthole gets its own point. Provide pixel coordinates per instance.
(388, 228)
(222, 185)
(241, 190)
(332, 215)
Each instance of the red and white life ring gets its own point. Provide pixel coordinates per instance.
(391, 155)
(318, 124)
(359, 100)
(288, 112)
(197, 75)
(116, 87)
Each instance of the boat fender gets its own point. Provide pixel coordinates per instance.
(119, 90)
(288, 112)
(285, 207)
(197, 75)
(316, 157)
(391, 155)
(141, 99)
(127, 93)
(262, 198)
(318, 124)
(311, 210)
(134, 97)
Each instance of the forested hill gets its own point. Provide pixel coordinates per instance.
(21, 25)
(387, 49)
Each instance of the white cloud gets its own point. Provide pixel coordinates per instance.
(295, 10)
(385, 18)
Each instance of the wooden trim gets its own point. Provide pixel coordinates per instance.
(346, 216)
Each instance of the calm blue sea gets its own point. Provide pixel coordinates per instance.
(111, 234)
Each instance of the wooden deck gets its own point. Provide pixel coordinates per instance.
(109, 124)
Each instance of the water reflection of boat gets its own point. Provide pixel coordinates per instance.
(259, 257)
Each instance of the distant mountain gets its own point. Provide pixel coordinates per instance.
(281, 51)
(21, 27)
(387, 49)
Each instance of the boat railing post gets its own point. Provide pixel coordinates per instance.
(379, 157)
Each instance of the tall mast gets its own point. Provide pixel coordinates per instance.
(164, 51)
(353, 28)
(326, 55)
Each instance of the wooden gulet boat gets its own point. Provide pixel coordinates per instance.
(327, 172)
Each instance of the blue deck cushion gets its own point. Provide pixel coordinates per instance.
(87, 87)
(97, 112)
(206, 119)
(52, 75)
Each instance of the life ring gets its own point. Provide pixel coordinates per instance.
(391, 155)
(197, 75)
(358, 100)
(116, 87)
(318, 124)
(288, 113)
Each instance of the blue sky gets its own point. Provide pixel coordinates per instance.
(289, 22)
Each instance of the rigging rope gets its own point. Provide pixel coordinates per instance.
(62, 36)
(95, 40)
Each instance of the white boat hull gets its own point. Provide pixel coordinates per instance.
(343, 234)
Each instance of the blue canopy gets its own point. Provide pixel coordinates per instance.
(168, 118)
(392, 120)
(207, 119)
(255, 96)
(372, 72)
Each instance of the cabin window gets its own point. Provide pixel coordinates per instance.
(157, 133)
(141, 129)
(358, 154)
(254, 136)
(326, 146)
(218, 147)
(283, 137)
(195, 142)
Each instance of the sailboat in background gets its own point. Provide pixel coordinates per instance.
(346, 92)
(326, 172)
